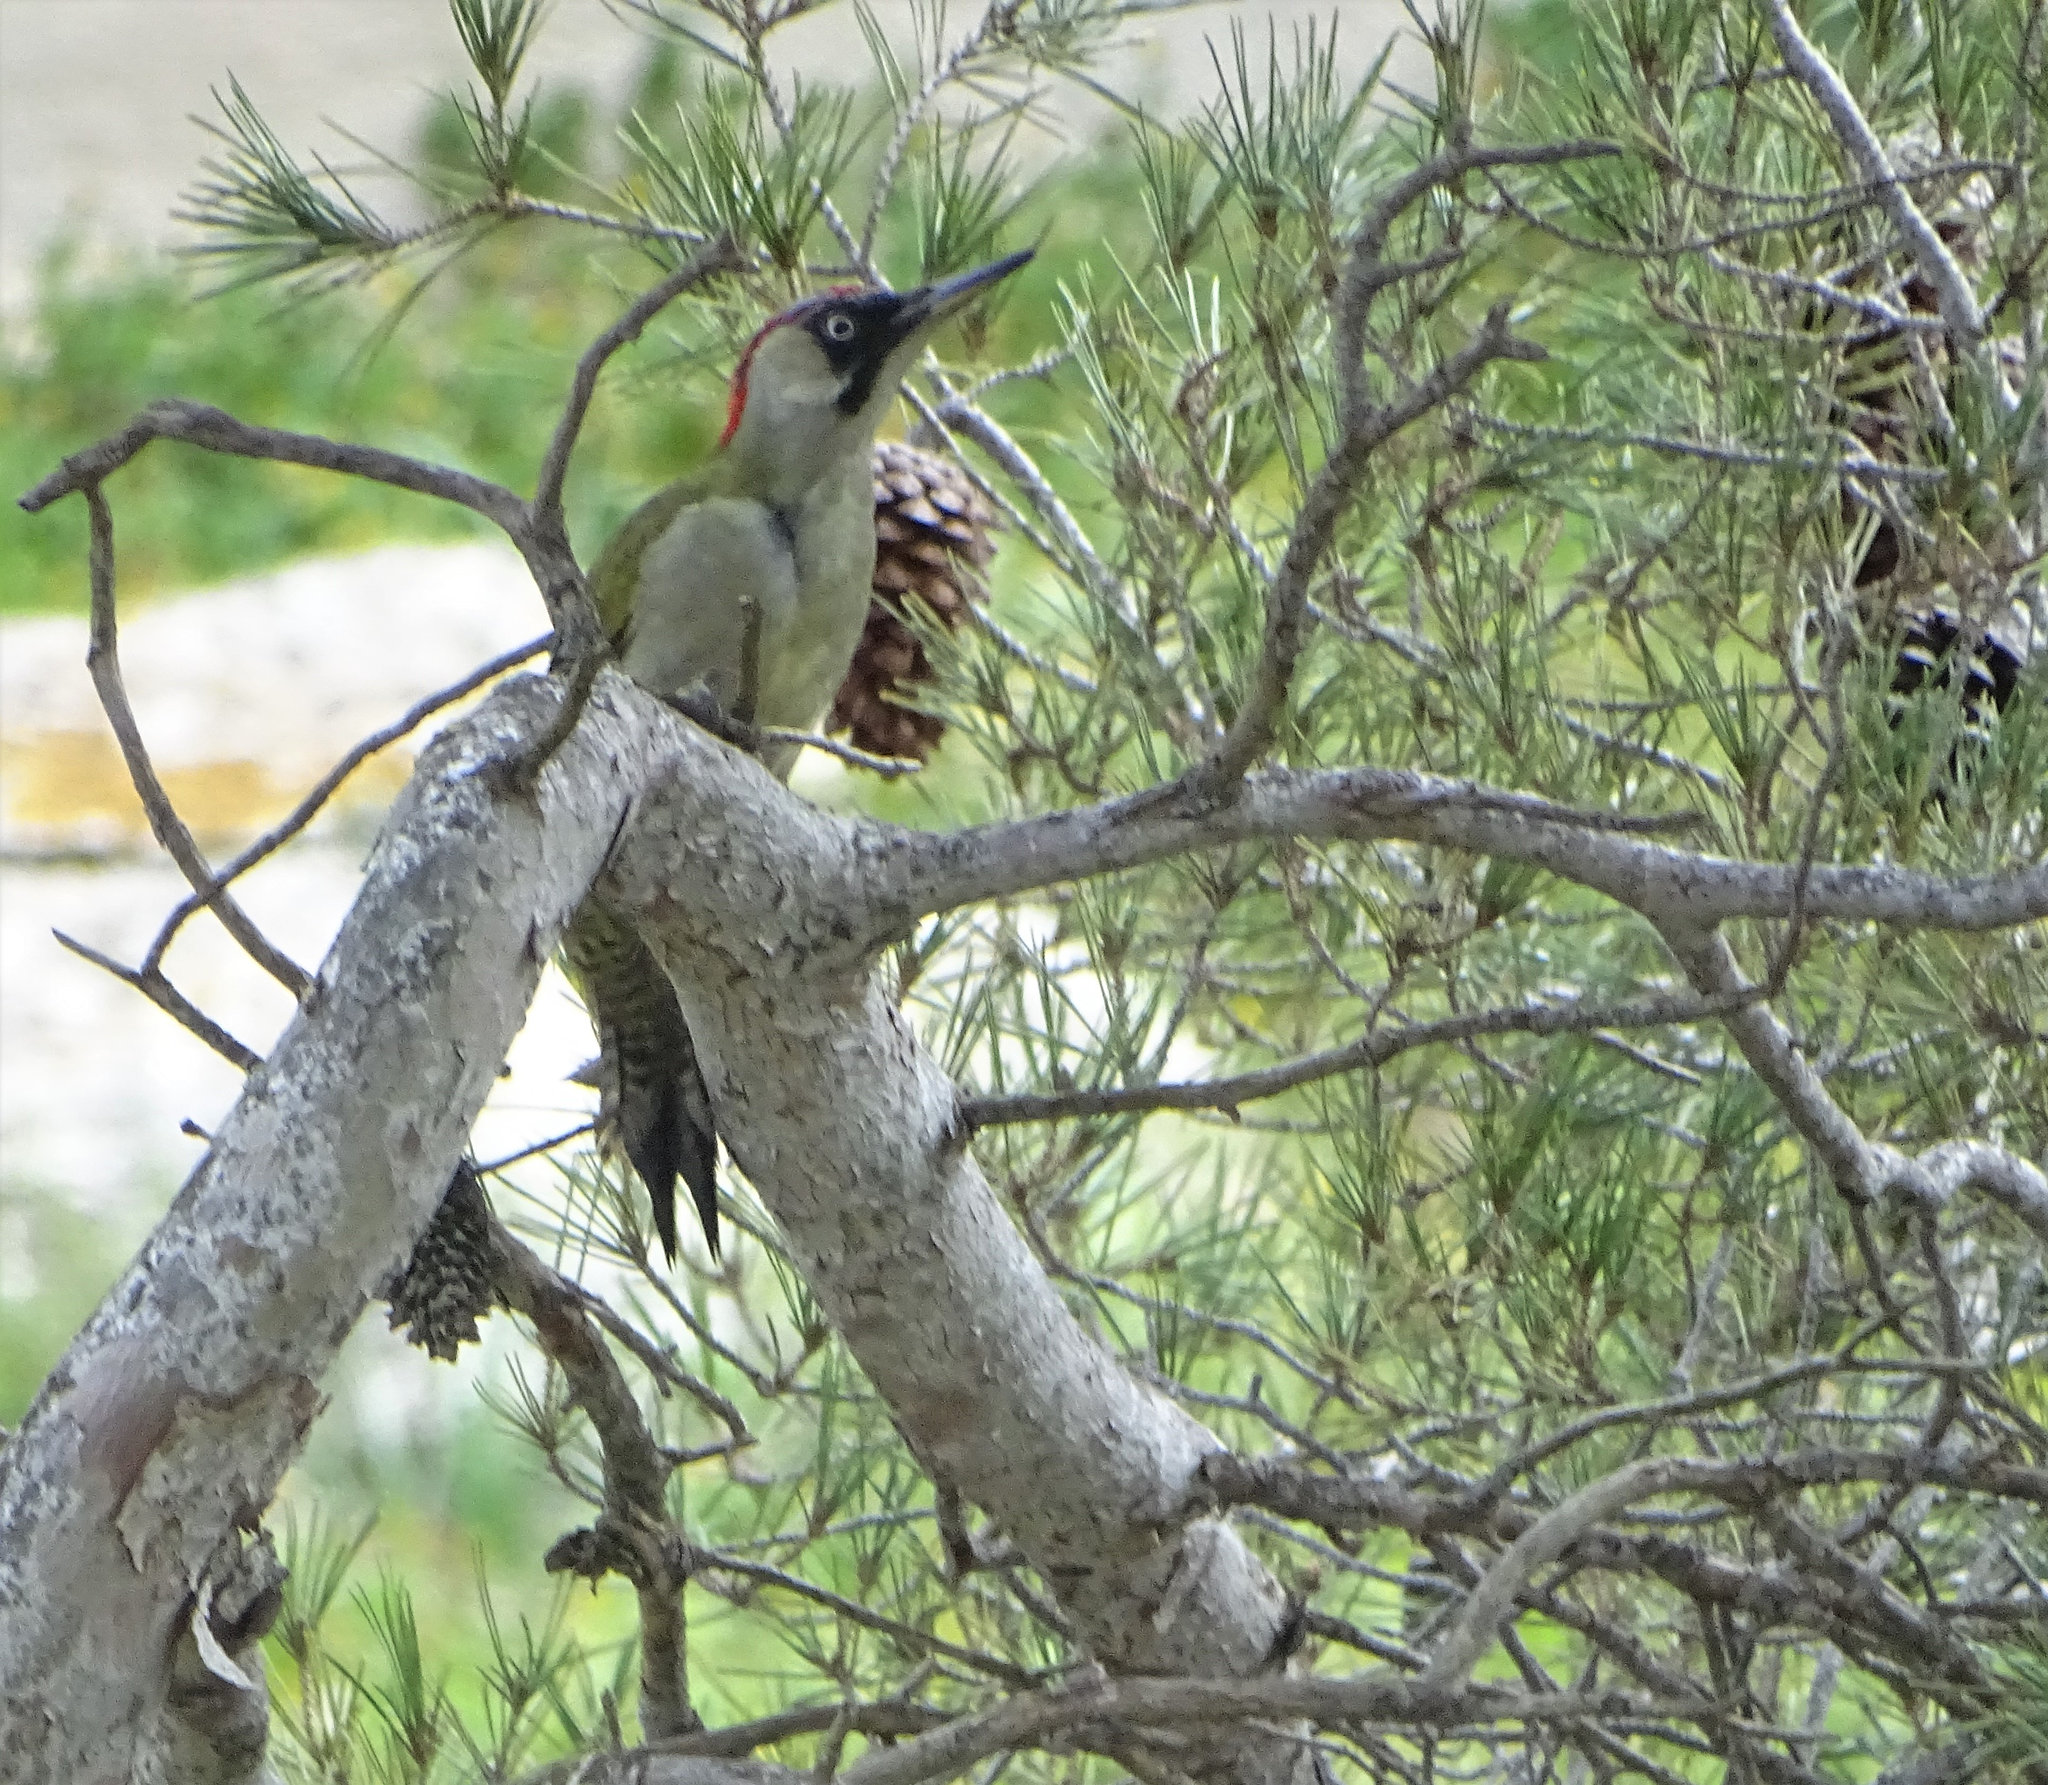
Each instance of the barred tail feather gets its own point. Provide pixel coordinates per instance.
(654, 1103)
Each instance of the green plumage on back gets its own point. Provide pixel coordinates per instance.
(614, 582)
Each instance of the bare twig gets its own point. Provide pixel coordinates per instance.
(167, 998)
(716, 257)
(523, 771)
(1368, 1053)
(766, 1574)
(1549, 1537)
(1717, 452)
(323, 790)
(198, 424)
(1367, 273)
(943, 71)
(103, 659)
(662, 1366)
(1365, 427)
(955, 415)
(888, 767)
(635, 1472)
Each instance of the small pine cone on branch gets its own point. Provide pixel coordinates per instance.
(933, 529)
(450, 1280)
(1934, 639)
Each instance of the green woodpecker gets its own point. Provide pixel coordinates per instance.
(740, 591)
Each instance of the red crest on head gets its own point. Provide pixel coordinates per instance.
(736, 402)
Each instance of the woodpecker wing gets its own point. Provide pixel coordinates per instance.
(710, 577)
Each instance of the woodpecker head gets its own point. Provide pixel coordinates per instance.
(817, 378)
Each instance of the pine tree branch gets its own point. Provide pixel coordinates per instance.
(1959, 308)
(912, 875)
(636, 1535)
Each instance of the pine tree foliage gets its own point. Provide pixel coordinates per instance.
(1570, 400)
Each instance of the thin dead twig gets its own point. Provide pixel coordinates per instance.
(662, 1367)
(1366, 426)
(324, 789)
(717, 257)
(200, 424)
(635, 1476)
(172, 1002)
(103, 661)
(701, 1561)
(888, 767)
(1368, 1053)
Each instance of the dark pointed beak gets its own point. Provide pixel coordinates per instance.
(929, 305)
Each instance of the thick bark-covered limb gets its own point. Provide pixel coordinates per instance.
(851, 1135)
(1974, 1165)
(176, 1409)
(166, 1425)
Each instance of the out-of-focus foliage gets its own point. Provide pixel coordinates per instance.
(463, 359)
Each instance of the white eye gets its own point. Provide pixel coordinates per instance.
(839, 326)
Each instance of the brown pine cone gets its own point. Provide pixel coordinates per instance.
(932, 530)
(450, 1279)
(1931, 635)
